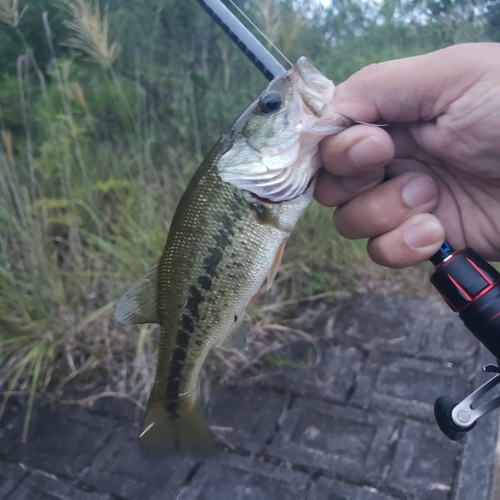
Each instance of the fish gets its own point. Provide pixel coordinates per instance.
(225, 241)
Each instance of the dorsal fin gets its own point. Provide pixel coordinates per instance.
(139, 304)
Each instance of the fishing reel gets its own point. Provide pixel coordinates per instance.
(471, 287)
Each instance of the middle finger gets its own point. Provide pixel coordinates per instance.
(387, 206)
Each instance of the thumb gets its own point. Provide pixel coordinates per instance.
(414, 88)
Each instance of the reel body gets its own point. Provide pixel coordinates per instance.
(471, 287)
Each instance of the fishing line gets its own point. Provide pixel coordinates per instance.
(372, 124)
(260, 32)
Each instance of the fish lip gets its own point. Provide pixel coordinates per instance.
(316, 92)
(314, 89)
(301, 67)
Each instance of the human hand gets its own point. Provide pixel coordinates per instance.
(441, 152)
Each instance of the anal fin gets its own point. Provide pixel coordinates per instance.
(237, 336)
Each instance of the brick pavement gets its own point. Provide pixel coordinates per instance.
(359, 426)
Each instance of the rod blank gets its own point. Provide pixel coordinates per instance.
(267, 64)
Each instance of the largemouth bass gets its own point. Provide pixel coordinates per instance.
(226, 238)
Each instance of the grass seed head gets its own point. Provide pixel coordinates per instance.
(9, 13)
(91, 31)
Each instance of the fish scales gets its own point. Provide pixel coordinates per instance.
(207, 275)
(227, 236)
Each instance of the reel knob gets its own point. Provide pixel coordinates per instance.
(443, 406)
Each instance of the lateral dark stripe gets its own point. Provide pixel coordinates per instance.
(177, 364)
(228, 224)
(187, 327)
(195, 299)
(235, 208)
(210, 263)
(205, 282)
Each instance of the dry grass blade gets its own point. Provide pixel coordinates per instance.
(264, 339)
(89, 401)
(91, 31)
(304, 335)
(7, 142)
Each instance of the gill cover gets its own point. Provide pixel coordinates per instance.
(275, 142)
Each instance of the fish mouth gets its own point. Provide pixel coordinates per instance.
(314, 88)
(316, 92)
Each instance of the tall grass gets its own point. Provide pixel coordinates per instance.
(91, 168)
(78, 219)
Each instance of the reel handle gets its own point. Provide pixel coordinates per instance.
(443, 408)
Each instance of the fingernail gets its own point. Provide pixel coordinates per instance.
(423, 235)
(370, 151)
(419, 190)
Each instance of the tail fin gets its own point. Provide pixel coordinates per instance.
(165, 433)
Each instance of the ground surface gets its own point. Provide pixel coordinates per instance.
(359, 426)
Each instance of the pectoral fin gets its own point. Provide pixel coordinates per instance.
(139, 304)
(261, 211)
(276, 265)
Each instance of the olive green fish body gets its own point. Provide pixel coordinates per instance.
(227, 235)
(220, 248)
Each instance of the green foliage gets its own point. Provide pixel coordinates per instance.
(12, 45)
(94, 157)
(493, 21)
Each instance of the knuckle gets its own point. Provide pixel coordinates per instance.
(367, 71)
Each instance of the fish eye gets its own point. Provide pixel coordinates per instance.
(270, 103)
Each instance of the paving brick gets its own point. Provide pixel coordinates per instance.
(121, 409)
(245, 417)
(424, 464)
(446, 338)
(331, 380)
(11, 422)
(329, 489)
(417, 351)
(385, 324)
(61, 440)
(120, 469)
(243, 478)
(407, 386)
(10, 477)
(344, 441)
(40, 486)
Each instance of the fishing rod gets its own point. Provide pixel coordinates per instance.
(468, 284)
